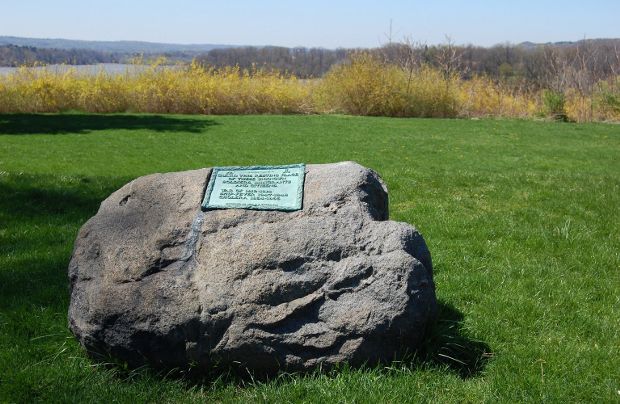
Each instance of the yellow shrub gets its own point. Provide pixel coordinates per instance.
(102, 93)
(480, 97)
(157, 89)
(363, 86)
(34, 90)
(368, 86)
(430, 93)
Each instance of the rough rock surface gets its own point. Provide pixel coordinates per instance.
(154, 280)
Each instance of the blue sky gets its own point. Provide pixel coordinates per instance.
(329, 24)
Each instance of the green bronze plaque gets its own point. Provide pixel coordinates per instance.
(256, 187)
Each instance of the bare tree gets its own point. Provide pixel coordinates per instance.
(614, 63)
(447, 57)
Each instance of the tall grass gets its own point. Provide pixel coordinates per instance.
(365, 85)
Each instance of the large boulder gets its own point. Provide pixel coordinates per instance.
(155, 280)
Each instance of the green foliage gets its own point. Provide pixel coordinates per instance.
(505, 70)
(554, 103)
(521, 217)
(607, 96)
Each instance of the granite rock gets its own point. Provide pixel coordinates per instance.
(156, 281)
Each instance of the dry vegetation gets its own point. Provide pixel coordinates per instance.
(365, 85)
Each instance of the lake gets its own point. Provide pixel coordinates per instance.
(109, 68)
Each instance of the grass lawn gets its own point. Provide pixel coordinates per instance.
(522, 219)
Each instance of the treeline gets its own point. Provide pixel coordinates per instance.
(300, 62)
(551, 66)
(12, 55)
(563, 75)
(539, 66)
(573, 81)
(542, 66)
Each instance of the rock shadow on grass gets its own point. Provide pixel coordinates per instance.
(447, 348)
(37, 216)
(448, 345)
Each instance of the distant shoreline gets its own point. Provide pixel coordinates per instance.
(93, 69)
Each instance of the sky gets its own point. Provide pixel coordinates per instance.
(313, 23)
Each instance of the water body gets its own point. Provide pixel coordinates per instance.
(108, 68)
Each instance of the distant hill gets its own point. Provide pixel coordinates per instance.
(127, 47)
(566, 44)
(13, 55)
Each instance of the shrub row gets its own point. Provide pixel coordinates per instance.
(158, 89)
(363, 86)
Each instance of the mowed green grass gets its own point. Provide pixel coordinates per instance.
(522, 219)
